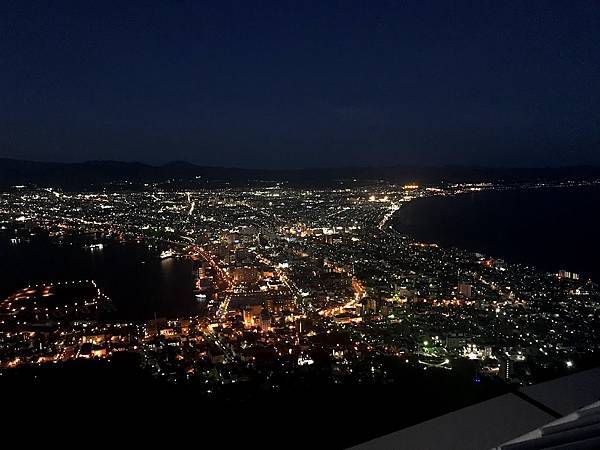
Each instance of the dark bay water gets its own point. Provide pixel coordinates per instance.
(553, 229)
(131, 274)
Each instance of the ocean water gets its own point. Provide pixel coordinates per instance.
(550, 228)
(140, 284)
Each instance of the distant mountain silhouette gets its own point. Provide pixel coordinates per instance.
(93, 174)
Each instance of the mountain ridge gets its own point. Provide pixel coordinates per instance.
(100, 172)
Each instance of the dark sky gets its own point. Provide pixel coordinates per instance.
(302, 84)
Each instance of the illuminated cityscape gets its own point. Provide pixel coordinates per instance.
(329, 225)
(290, 277)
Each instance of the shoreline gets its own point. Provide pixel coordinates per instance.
(450, 240)
(133, 304)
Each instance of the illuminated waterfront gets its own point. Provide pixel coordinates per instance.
(132, 275)
(547, 228)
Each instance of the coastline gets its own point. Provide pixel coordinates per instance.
(441, 219)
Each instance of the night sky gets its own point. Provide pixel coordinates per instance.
(302, 84)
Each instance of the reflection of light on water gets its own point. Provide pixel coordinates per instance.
(167, 264)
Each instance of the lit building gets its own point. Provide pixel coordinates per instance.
(506, 368)
(465, 289)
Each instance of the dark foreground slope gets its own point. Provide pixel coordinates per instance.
(302, 413)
